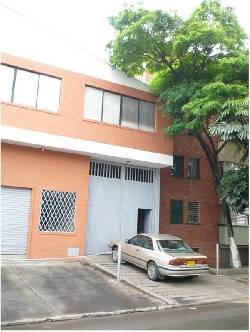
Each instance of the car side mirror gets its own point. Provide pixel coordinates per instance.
(127, 241)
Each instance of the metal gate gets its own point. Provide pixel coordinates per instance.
(15, 208)
(116, 192)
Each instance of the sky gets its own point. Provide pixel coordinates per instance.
(81, 23)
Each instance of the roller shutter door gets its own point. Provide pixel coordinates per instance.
(15, 209)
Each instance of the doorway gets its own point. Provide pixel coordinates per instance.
(144, 219)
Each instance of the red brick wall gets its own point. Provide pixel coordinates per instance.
(206, 234)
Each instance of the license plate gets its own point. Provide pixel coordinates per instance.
(190, 263)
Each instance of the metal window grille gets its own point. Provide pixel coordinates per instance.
(193, 212)
(105, 170)
(139, 174)
(57, 211)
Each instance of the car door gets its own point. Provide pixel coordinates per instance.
(146, 251)
(131, 250)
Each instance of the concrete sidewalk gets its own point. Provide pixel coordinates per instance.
(177, 292)
(59, 290)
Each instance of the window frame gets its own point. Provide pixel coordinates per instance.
(37, 92)
(120, 110)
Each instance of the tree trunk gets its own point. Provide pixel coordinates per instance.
(233, 247)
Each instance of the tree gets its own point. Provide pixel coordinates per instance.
(200, 72)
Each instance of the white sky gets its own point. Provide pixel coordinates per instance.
(25, 23)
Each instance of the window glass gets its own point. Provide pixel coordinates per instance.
(176, 210)
(148, 244)
(26, 88)
(111, 108)
(49, 93)
(193, 212)
(146, 116)
(6, 82)
(177, 246)
(178, 166)
(93, 103)
(193, 168)
(129, 116)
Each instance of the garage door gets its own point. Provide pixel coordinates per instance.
(15, 210)
(116, 195)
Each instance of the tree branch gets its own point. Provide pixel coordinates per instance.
(221, 147)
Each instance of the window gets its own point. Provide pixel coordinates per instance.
(113, 108)
(29, 88)
(193, 213)
(105, 170)
(178, 166)
(130, 112)
(148, 244)
(6, 82)
(57, 211)
(26, 85)
(175, 246)
(193, 168)
(48, 93)
(93, 103)
(176, 211)
(139, 174)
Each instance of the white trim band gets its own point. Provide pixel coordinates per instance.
(38, 139)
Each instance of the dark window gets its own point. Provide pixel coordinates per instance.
(193, 168)
(176, 212)
(138, 240)
(148, 244)
(193, 213)
(178, 166)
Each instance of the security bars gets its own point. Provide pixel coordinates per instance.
(57, 211)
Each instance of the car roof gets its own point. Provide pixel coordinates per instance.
(161, 236)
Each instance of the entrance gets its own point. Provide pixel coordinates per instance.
(144, 221)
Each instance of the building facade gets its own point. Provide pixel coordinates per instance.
(81, 159)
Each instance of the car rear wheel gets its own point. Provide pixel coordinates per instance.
(153, 271)
(115, 254)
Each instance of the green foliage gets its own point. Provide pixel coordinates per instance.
(199, 69)
(234, 188)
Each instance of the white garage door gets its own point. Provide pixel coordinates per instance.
(15, 209)
(116, 193)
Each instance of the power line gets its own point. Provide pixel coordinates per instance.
(55, 33)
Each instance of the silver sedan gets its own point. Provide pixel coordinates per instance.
(161, 255)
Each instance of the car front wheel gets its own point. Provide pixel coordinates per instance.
(153, 271)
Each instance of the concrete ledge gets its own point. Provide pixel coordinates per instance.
(231, 271)
(84, 315)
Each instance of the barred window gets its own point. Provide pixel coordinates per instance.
(105, 170)
(57, 211)
(193, 213)
(139, 174)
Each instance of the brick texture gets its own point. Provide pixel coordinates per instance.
(206, 234)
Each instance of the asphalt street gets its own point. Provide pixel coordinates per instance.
(220, 316)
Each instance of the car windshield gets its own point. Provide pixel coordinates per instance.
(174, 246)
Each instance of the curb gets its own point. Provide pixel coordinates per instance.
(84, 315)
